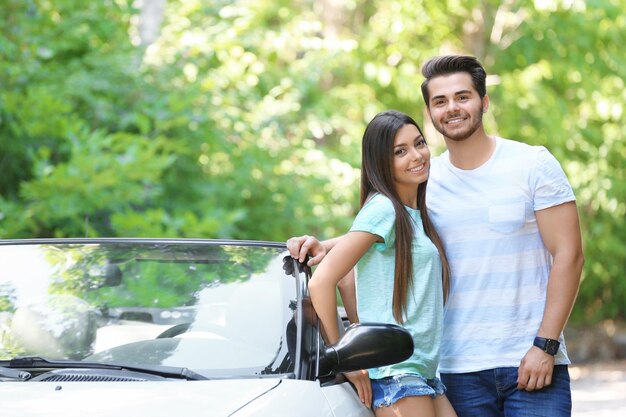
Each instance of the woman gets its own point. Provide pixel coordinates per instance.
(402, 271)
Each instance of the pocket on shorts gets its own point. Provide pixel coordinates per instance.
(507, 217)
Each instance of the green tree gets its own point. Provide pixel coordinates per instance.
(243, 119)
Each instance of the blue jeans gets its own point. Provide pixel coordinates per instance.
(494, 393)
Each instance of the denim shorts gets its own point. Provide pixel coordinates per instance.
(388, 390)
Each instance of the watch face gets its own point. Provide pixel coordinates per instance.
(551, 347)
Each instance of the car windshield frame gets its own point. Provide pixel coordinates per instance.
(270, 270)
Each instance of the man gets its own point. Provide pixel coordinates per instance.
(508, 220)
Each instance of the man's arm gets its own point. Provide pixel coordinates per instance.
(560, 230)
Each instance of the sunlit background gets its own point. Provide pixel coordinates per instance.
(243, 119)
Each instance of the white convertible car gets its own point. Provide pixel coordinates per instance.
(172, 327)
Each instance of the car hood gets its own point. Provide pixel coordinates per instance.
(154, 398)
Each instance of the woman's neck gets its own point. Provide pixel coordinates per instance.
(408, 197)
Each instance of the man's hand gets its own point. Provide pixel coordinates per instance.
(300, 246)
(535, 370)
(361, 381)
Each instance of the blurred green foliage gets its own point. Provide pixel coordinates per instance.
(243, 118)
(157, 275)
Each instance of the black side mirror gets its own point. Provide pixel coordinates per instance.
(366, 345)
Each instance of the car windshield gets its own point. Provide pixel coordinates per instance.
(220, 309)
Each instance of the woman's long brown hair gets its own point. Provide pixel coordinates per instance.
(377, 177)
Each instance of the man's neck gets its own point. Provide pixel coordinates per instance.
(472, 152)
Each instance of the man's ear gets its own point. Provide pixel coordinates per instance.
(485, 103)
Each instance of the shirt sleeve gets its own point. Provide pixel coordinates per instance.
(549, 182)
(378, 217)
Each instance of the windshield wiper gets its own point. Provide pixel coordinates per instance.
(32, 362)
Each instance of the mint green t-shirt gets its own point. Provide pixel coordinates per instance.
(375, 280)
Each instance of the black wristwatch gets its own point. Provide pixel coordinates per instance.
(550, 346)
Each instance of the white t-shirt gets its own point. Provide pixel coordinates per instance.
(499, 264)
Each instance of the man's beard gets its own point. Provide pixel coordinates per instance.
(462, 134)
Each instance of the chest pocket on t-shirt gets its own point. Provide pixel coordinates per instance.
(507, 217)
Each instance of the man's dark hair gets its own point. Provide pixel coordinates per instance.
(449, 64)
